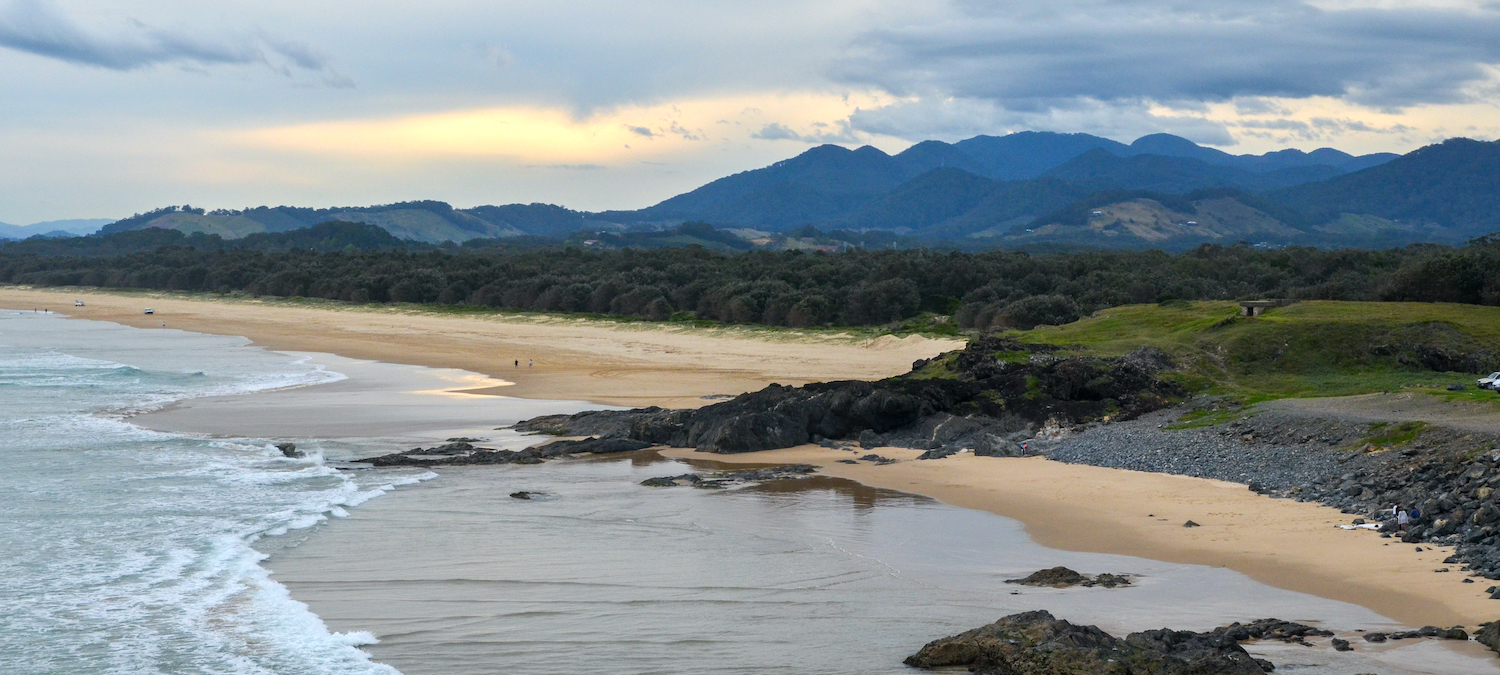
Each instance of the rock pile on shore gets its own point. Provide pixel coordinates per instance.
(459, 453)
(1037, 643)
(1062, 577)
(726, 478)
(1452, 476)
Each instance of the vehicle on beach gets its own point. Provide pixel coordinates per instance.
(77, 303)
(1491, 381)
(150, 311)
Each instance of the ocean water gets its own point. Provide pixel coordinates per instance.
(130, 551)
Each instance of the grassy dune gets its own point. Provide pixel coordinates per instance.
(1307, 349)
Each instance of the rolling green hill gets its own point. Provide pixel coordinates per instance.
(1312, 348)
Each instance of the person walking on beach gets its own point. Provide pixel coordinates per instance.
(530, 363)
(1402, 519)
(518, 363)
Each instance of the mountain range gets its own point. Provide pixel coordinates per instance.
(1023, 189)
(54, 228)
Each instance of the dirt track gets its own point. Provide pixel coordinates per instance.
(1401, 407)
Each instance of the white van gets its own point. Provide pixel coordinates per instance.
(150, 311)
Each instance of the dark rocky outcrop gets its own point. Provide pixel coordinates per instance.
(464, 453)
(593, 446)
(1272, 629)
(290, 450)
(982, 398)
(727, 478)
(1062, 577)
(1036, 643)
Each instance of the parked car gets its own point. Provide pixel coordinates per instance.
(150, 311)
(1491, 381)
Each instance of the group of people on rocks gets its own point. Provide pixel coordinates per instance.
(1402, 517)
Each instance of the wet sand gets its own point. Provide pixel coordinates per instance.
(377, 400)
(1280, 542)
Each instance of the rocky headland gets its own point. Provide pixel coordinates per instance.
(986, 398)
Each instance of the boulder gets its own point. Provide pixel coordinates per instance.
(1037, 643)
(1057, 577)
(290, 450)
(1062, 577)
(1489, 635)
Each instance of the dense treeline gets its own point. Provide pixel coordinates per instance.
(858, 287)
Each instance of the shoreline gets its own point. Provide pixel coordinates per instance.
(622, 364)
(1078, 507)
(1066, 506)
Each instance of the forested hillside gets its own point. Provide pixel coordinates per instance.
(791, 288)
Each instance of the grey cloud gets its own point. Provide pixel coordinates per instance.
(1339, 125)
(677, 128)
(956, 119)
(41, 28)
(641, 131)
(776, 131)
(1033, 58)
(1274, 125)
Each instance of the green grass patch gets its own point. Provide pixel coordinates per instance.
(1385, 435)
(1316, 348)
(1013, 356)
(941, 368)
(1470, 394)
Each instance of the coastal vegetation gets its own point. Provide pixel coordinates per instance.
(915, 290)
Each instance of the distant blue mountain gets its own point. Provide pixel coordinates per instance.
(830, 183)
(1023, 189)
(54, 228)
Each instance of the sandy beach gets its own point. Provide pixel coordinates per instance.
(614, 363)
(1279, 542)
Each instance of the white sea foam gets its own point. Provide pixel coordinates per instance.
(129, 550)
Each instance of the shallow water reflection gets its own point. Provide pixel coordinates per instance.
(602, 575)
(859, 495)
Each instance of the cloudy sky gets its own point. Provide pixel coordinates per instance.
(110, 108)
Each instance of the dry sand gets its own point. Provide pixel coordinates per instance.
(1280, 542)
(576, 359)
(1283, 543)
